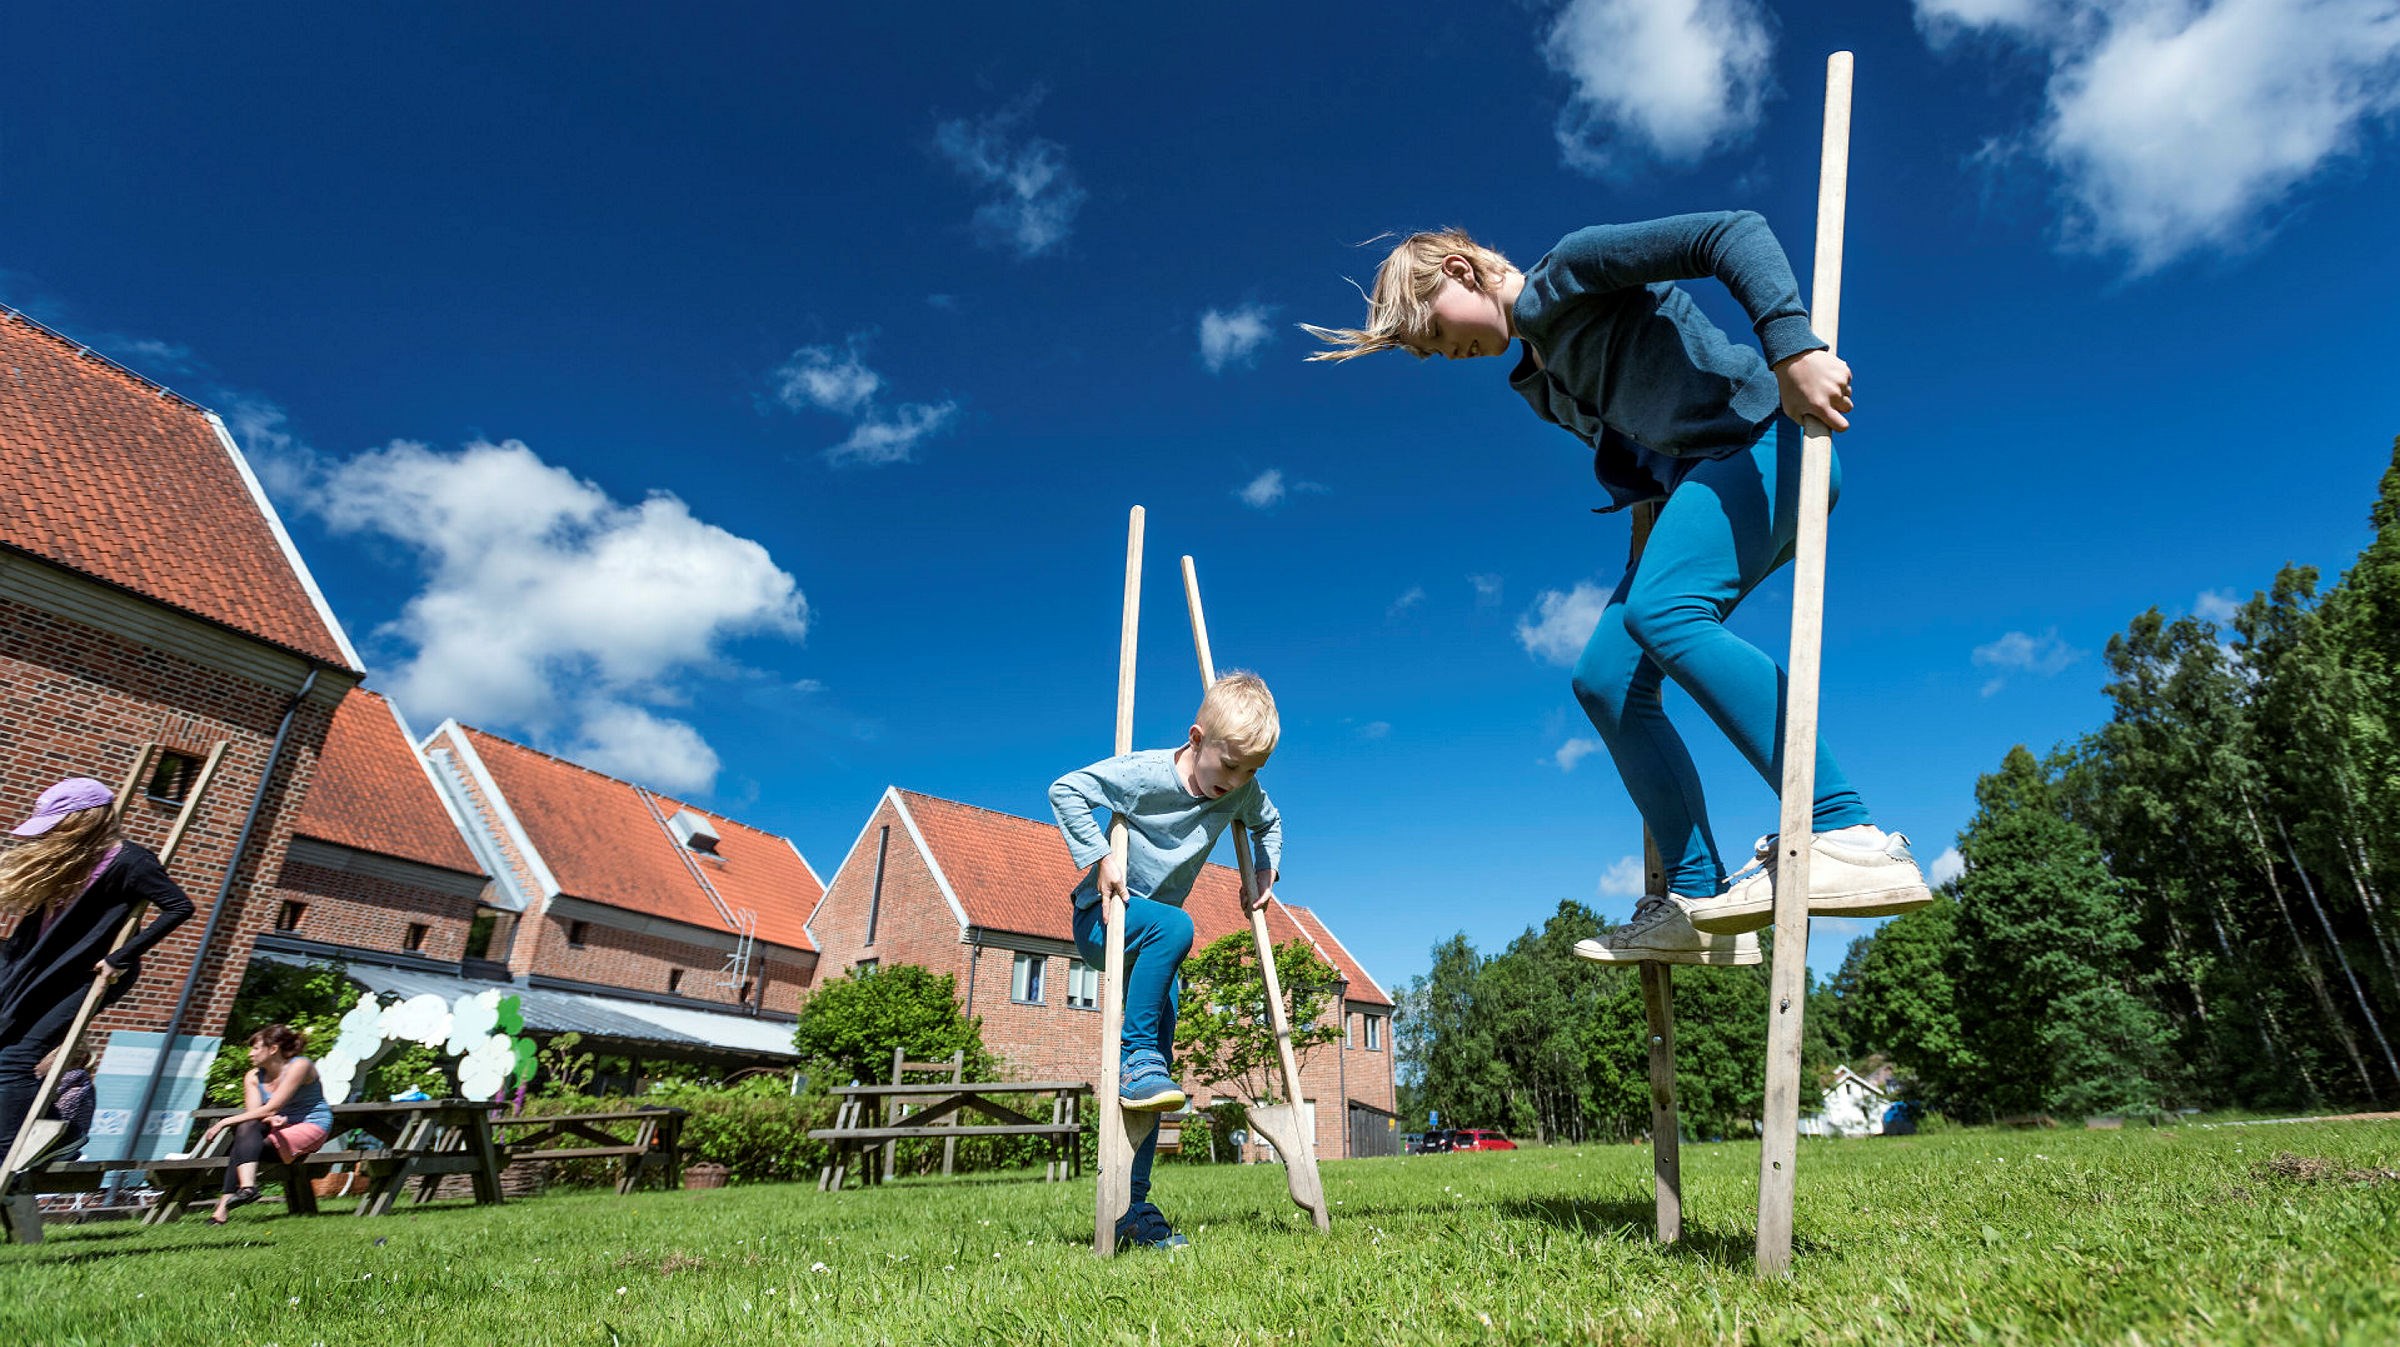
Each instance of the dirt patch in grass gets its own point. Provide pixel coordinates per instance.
(675, 1262)
(2315, 1169)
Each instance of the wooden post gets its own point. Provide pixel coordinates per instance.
(1787, 984)
(958, 1074)
(38, 1133)
(1121, 1131)
(1287, 1127)
(893, 1112)
(1658, 1007)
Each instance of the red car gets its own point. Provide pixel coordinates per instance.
(1479, 1139)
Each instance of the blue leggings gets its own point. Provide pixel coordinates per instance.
(1725, 528)
(1157, 936)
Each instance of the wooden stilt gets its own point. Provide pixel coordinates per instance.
(1658, 1007)
(1121, 1130)
(1285, 1125)
(1787, 984)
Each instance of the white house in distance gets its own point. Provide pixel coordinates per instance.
(1853, 1107)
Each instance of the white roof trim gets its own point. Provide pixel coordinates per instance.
(408, 736)
(465, 749)
(957, 908)
(1327, 927)
(283, 539)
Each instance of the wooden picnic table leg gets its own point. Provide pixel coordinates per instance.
(299, 1199)
(478, 1141)
(674, 1131)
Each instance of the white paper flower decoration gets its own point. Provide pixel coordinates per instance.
(473, 1018)
(483, 1071)
(335, 1072)
(419, 1019)
(361, 1035)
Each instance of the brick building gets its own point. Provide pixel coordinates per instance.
(606, 896)
(981, 895)
(149, 594)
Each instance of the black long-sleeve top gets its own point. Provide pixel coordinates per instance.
(38, 968)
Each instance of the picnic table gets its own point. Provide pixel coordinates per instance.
(937, 1118)
(654, 1146)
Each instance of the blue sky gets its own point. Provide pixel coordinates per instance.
(750, 403)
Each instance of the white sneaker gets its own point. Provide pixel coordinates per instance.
(1853, 872)
(1660, 933)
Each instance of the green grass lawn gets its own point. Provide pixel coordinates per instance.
(2234, 1235)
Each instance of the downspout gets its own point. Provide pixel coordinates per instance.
(1341, 997)
(974, 961)
(216, 910)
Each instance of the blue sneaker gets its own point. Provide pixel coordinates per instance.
(1143, 1226)
(1146, 1087)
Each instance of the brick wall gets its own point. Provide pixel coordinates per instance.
(1052, 1040)
(372, 912)
(77, 701)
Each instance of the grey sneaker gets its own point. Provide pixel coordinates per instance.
(1660, 933)
(1880, 879)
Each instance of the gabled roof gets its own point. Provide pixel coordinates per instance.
(117, 478)
(1013, 875)
(371, 791)
(604, 845)
(1362, 988)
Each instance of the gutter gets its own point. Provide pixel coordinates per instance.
(216, 909)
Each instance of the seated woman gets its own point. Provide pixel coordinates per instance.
(286, 1110)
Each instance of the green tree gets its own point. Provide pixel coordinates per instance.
(1223, 1034)
(2046, 941)
(1902, 1002)
(848, 1027)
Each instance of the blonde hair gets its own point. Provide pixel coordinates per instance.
(54, 865)
(1239, 712)
(1400, 311)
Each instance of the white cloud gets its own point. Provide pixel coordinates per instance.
(1374, 730)
(1232, 336)
(551, 606)
(1946, 867)
(1270, 488)
(1625, 879)
(1670, 79)
(2178, 126)
(1031, 192)
(2216, 605)
(2016, 652)
(837, 381)
(1487, 589)
(1414, 596)
(1560, 624)
(1574, 751)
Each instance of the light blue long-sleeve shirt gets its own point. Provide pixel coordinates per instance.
(1169, 830)
(1630, 364)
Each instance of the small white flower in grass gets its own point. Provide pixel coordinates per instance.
(949, 1267)
(770, 1290)
(620, 1290)
(995, 1255)
(295, 1300)
(819, 1267)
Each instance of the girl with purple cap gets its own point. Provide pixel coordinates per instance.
(70, 887)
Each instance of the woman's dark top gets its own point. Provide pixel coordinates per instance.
(75, 1101)
(39, 969)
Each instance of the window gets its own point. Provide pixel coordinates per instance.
(1083, 985)
(288, 919)
(674, 979)
(1025, 980)
(171, 777)
(747, 984)
(864, 968)
(575, 933)
(1374, 1032)
(479, 933)
(416, 936)
(1349, 1030)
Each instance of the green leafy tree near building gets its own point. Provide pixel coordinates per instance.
(849, 1026)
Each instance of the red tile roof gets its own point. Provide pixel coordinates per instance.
(603, 845)
(371, 792)
(1013, 874)
(119, 479)
(1362, 987)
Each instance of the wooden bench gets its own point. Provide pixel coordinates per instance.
(655, 1147)
(937, 1120)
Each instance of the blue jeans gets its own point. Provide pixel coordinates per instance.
(1157, 936)
(1725, 528)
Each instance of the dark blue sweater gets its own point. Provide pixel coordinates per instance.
(1629, 363)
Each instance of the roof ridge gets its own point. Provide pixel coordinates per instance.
(88, 352)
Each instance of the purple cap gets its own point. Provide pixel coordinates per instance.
(71, 796)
